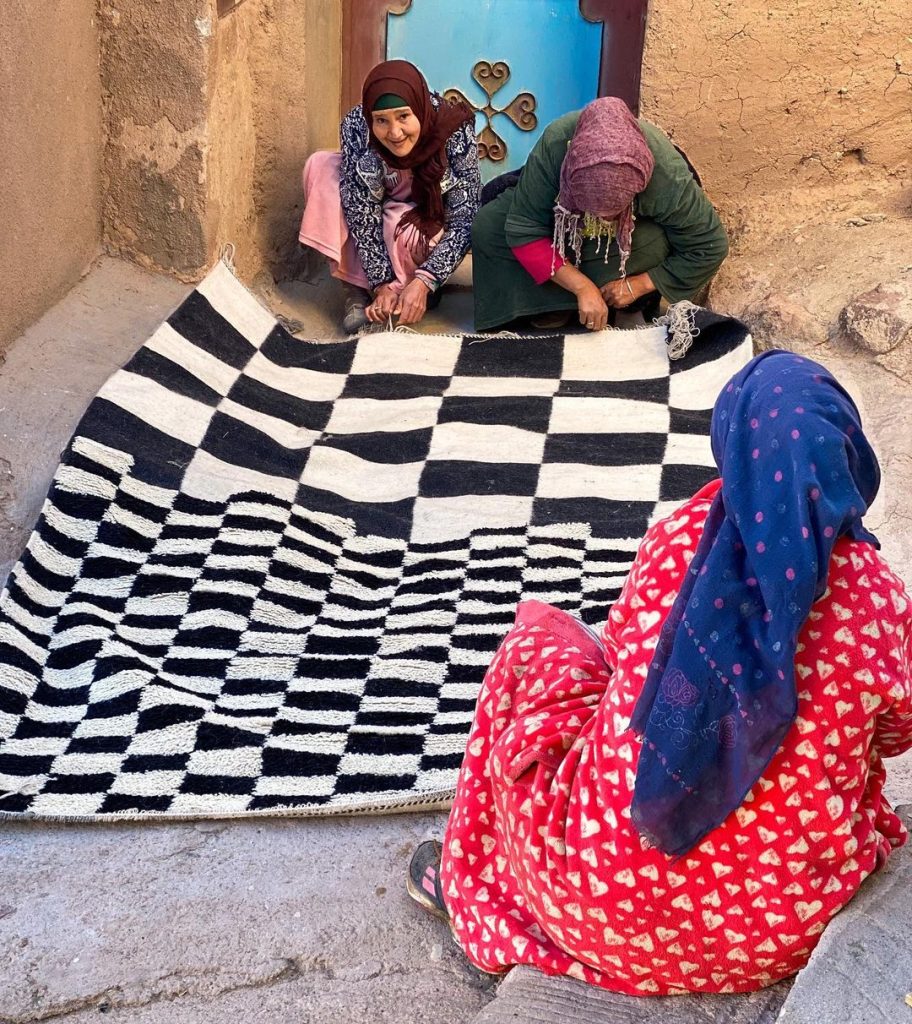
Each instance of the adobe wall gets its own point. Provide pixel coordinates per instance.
(808, 102)
(154, 69)
(208, 121)
(50, 135)
(294, 64)
(232, 139)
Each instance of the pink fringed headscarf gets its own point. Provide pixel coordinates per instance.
(607, 164)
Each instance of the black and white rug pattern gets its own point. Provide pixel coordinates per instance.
(270, 573)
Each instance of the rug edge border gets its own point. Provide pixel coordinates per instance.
(439, 800)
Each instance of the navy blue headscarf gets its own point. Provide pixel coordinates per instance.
(797, 473)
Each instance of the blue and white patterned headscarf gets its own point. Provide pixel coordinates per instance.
(797, 473)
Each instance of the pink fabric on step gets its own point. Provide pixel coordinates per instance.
(323, 225)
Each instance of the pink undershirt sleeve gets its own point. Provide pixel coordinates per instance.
(538, 258)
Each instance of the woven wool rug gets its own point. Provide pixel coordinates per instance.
(270, 573)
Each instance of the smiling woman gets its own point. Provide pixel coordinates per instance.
(394, 124)
(393, 211)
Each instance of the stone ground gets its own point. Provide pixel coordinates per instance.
(287, 919)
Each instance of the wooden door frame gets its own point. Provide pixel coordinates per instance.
(621, 65)
(364, 44)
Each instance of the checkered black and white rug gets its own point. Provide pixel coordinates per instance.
(270, 573)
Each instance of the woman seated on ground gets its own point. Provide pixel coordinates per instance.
(686, 803)
(562, 239)
(393, 212)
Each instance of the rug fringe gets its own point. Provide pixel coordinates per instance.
(432, 802)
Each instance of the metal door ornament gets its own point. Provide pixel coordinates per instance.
(521, 109)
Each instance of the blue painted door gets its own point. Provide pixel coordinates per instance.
(520, 63)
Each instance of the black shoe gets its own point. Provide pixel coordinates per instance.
(423, 880)
(356, 302)
(552, 321)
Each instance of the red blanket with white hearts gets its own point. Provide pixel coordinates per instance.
(541, 865)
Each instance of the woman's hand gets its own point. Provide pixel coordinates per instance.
(620, 294)
(413, 302)
(385, 304)
(593, 312)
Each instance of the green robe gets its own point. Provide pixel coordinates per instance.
(678, 236)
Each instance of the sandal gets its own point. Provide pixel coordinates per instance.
(423, 880)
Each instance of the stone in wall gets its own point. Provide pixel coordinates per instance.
(880, 322)
(775, 319)
(880, 319)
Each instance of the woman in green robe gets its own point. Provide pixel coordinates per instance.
(562, 239)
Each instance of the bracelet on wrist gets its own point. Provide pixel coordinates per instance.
(429, 282)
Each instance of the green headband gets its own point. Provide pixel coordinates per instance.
(389, 101)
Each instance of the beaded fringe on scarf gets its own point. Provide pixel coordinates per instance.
(571, 229)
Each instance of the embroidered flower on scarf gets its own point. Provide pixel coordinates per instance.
(727, 732)
(678, 690)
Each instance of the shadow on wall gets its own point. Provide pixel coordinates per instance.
(50, 163)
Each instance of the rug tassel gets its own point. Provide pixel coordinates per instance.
(227, 256)
(680, 322)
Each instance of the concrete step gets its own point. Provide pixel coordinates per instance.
(526, 996)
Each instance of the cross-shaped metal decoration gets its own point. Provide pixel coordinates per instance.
(492, 78)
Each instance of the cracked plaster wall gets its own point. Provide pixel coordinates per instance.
(208, 122)
(50, 135)
(809, 101)
(154, 71)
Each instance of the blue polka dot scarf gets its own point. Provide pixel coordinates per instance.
(797, 473)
